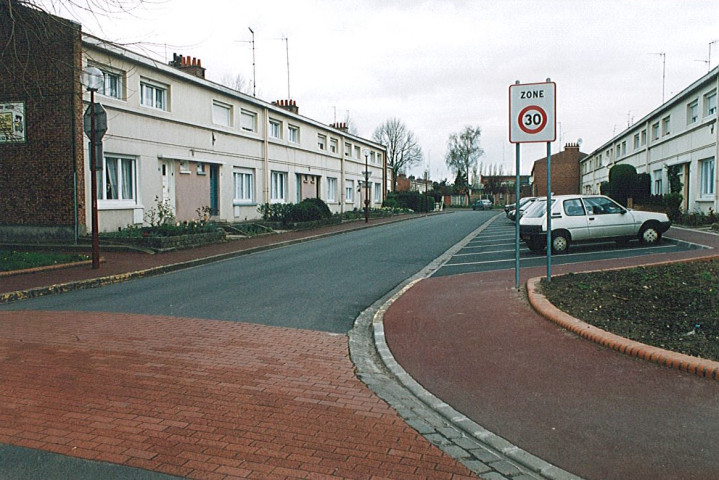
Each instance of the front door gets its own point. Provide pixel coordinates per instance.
(168, 183)
(214, 189)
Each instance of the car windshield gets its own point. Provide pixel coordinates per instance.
(537, 209)
(524, 201)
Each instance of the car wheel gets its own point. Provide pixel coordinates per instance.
(560, 242)
(649, 235)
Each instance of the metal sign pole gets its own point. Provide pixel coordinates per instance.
(516, 219)
(549, 211)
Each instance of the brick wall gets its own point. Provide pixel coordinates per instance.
(565, 172)
(41, 65)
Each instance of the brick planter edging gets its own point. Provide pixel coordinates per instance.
(698, 366)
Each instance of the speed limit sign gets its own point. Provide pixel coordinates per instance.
(531, 112)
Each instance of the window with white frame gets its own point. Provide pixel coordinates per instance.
(113, 84)
(348, 149)
(710, 103)
(372, 157)
(201, 168)
(377, 192)
(331, 189)
(658, 187)
(185, 166)
(275, 129)
(248, 121)
(636, 141)
(706, 177)
(358, 152)
(666, 125)
(655, 131)
(293, 133)
(333, 145)
(244, 181)
(693, 112)
(321, 141)
(153, 95)
(221, 114)
(379, 159)
(644, 138)
(278, 187)
(118, 179)
(349, 191)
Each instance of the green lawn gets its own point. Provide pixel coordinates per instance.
(12, 260)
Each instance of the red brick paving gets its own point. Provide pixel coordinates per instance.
(201, 399)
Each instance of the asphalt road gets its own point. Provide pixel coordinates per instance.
(320, 285)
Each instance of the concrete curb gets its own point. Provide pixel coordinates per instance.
(485, 453)
(46, 268)
(697, 366)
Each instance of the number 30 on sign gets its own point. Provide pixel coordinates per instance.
(532, 112)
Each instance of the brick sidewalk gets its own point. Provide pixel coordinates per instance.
(200, 399)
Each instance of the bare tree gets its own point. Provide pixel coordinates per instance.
(238, 82)
(403, 151)
(463, 151)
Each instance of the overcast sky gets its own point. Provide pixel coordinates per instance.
(439, 65)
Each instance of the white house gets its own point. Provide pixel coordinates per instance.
(683, 131)
(175, 137)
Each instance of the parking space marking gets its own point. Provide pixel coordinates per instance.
(494, 248)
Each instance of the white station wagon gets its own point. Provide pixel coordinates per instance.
(580, 218)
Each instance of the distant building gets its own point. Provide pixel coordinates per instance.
(173, 136)
(565, 167)
(501, 188)
(682, 132)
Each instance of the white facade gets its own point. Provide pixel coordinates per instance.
(199, 146)
(683, 131)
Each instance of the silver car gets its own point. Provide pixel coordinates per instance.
(581, 218)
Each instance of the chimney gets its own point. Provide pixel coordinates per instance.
(571, 146)
(340, 126)
(190, 65)
(289, 105)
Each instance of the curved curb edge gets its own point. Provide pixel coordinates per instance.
(482, 451)
(687, 363)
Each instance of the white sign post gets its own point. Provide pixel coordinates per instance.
(531, 112)
(532, 120)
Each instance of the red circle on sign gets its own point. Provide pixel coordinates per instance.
(540, 111)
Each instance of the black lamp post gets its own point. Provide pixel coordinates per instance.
(93, 79)
(366, 185)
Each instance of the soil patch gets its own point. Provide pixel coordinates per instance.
(675, 307)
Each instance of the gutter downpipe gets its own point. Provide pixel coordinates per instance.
(266, 159)
(716, 154)
(74, 166)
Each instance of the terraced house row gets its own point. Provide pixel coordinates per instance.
(682, 133)
(173, 137)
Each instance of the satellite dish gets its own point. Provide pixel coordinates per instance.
(579, 142)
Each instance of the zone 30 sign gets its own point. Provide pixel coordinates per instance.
(531, 112)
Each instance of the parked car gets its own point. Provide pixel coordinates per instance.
(524, 203)
(581, 218)
(482, 204)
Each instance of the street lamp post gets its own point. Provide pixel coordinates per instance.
(366, 185)
(93, 79)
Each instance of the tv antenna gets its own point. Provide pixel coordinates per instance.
(664, 70)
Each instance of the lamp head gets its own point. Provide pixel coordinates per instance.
(92, 78)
